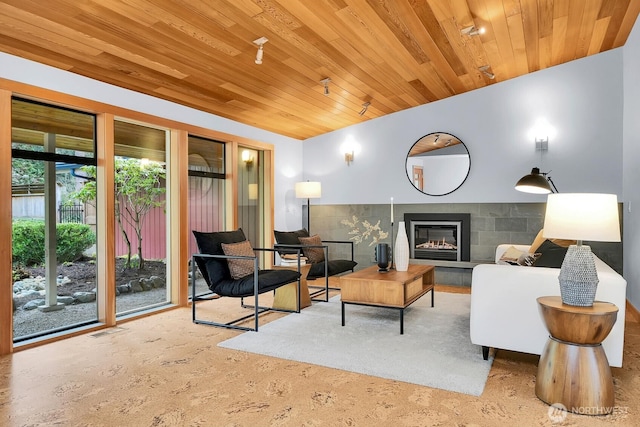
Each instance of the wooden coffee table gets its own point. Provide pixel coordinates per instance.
(391, 289)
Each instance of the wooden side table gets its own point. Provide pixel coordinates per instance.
(286, 297)
(573, 368)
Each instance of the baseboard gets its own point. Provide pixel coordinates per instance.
(632, 313)
(453, 289)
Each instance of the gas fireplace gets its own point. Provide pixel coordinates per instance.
(443, 237)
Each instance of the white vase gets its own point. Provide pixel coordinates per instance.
(401, 251)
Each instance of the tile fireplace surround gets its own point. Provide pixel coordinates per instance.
(491, 224)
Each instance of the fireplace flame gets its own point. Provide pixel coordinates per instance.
(437, 244)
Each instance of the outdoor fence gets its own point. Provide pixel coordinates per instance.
(71, 213)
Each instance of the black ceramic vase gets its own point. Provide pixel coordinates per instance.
(382, 256)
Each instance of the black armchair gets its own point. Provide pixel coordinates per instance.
(317, 252)
(230, 268)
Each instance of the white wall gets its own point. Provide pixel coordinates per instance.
(631, 163)
(288, 155)
(581, 99)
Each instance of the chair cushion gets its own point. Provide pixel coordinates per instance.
(214, 270)
(289, 238)
(268, 280)
(314, 255)
(335, 266)
(239, 267)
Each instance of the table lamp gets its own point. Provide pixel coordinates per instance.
(581, 216)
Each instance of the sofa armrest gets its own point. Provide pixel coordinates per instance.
(505, 314)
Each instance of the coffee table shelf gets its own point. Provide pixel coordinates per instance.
(391, 289)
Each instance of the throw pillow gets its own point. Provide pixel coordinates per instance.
(551, 255)
(514, 256)
(528, 259)
(510, 256)
(314, 255)
(540, 239)
(239, 268)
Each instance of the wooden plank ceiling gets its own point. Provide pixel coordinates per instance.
(395, 54)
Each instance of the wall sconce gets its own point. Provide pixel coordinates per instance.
(348, 157)
(542, 144)
(538, 182)
(325, 82)
(349, 148)
(260, 42)
(541, 132)
(247, 157)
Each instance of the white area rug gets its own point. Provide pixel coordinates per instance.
(435, 350)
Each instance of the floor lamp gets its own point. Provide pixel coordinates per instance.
(308, 190)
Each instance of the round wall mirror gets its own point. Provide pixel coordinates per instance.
(438, 164)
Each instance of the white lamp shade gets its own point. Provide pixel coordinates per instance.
(582, 216)
(308, 190)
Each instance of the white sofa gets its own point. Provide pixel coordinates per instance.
(505, 314)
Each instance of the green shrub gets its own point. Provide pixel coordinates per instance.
(73, 240)
(28, 241)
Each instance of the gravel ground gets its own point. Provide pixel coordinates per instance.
(81, 277)
(27, 322)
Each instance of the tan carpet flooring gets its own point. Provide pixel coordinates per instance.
(163, 370)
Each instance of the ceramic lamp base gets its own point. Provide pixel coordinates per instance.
(578, 277)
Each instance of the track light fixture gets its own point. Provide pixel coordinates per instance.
(472, 31)
(485, 70)
(365, 106)
(260, 42)
(325, 82)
